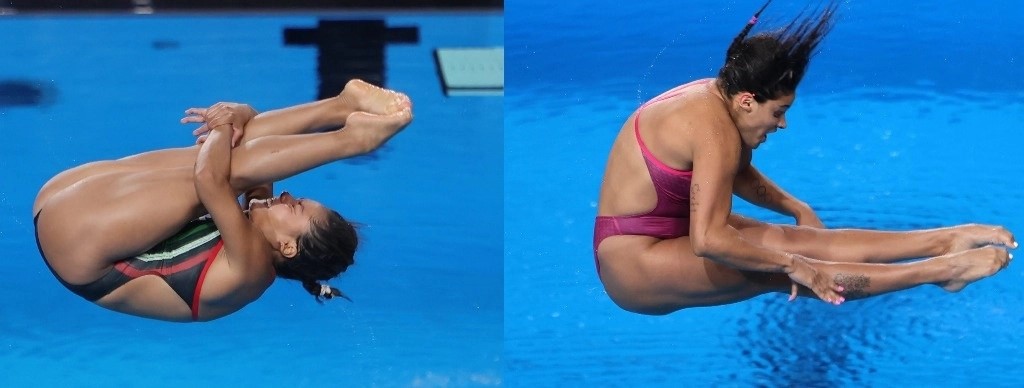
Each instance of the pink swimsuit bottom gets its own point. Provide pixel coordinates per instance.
(670, 217)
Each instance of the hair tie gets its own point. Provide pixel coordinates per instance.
(325, 290)
(753, 19)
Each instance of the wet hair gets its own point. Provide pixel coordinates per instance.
(771, 64)
(324, 253)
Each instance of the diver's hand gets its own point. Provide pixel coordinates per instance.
(805, 272)
(221, 113)
(807, 217)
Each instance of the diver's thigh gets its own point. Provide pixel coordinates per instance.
(667, 276)
(159, 159)
(71, 176)
(741, 222)
(163, 158)
(102, 219)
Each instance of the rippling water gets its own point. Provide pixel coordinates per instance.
(906, 120)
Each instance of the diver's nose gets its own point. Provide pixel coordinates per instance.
(286, 197)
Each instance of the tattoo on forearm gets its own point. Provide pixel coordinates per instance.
(694, 190)
(762, 192)
(854, 286)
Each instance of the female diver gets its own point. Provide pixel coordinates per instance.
(128, 234)
(665, 237)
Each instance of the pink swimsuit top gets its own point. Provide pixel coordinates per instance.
(670, 217)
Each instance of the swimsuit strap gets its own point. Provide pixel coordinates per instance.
(648, 156)
(671, 185)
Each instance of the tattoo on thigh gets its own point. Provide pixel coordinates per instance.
(694, 190)
(854, 286)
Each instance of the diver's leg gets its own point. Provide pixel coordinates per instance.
(318, 116)
(306, 118)
(869, 246)
(666, 276)
(272, 158)
(105, 218)
(952, 272)
(330, 113)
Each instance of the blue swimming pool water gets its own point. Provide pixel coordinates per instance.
(908, 118)
(427, 284)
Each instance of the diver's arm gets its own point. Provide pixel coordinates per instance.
(715, 165)
(754, 187)
(212, 173)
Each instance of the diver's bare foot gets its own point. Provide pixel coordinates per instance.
(369, 98)
(970, 236)
(972, 265)
(372, 130)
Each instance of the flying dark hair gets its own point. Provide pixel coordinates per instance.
(324, 253)
(771, 64)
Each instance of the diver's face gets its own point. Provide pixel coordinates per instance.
(761, 118)
(286, 215)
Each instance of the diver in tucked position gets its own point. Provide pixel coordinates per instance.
(130, 234)
(665, 237)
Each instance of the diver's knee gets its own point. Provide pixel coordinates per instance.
(795, 234)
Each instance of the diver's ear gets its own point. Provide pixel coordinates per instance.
(746, 101)
(289, 248)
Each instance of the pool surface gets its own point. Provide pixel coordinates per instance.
(427, 281)
(906, 119)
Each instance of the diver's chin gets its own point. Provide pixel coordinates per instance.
(760, 140)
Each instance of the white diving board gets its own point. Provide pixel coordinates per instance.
(471, 71)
